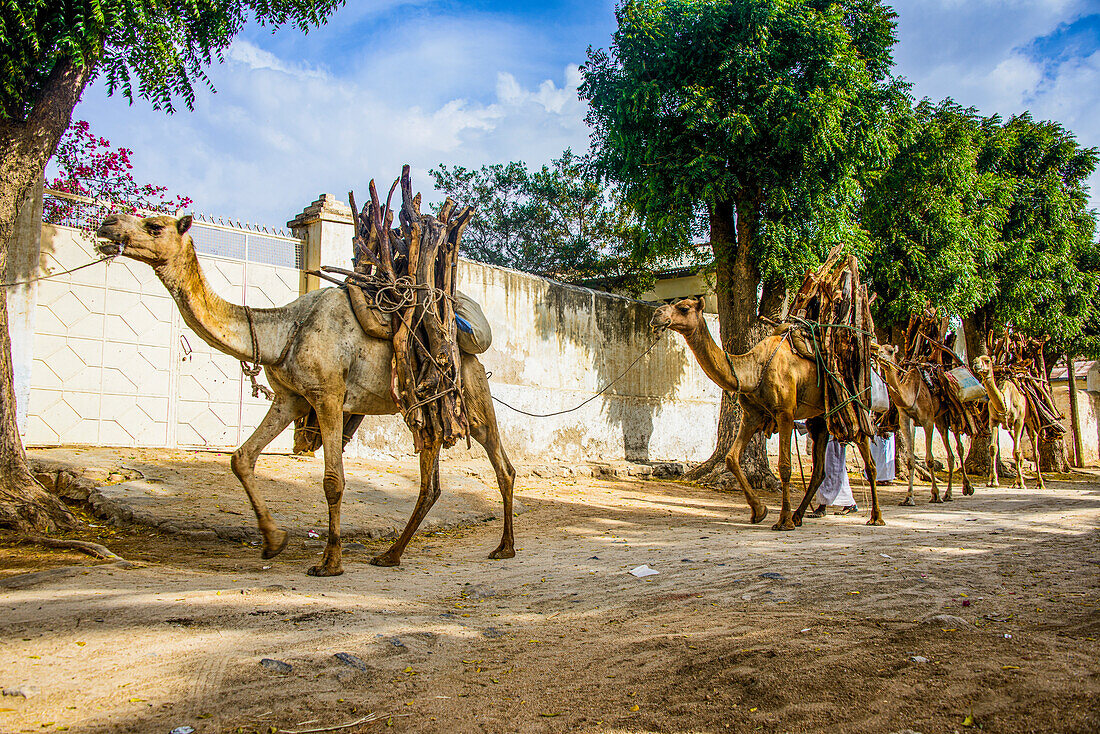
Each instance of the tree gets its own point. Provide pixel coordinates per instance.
(931, 215)
(755, 117)
(49, 51)
(1040, 275)
(559, 221)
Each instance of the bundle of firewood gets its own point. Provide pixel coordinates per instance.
(407, 275)
(1020, 358)
(929, 347)
(834, 307)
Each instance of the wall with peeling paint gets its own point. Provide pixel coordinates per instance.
(555, 346)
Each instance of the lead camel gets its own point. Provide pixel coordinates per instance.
(315, 355)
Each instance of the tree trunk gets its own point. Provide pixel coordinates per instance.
(1052, 453)
(975, 328)
(736, 283)
(24, 149)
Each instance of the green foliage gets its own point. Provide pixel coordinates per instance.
(934, 217)
(1045, 272)
(152, 49)
(558, 221)
(773, 105)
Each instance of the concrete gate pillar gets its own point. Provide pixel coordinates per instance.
(327, 228)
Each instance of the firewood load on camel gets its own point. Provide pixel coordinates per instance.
(403, 288)
(1020, 358)
(832, 325)
(929, 347)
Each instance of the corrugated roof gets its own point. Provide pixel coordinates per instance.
(1081, 368)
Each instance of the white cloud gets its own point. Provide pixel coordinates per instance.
(277, 134)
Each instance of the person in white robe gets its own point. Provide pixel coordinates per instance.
(835, 488)
(882, 449)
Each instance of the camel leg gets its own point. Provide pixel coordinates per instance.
(994, 453)
(330, 420)
(750, 425)
(869, 467)
(283, 410)
(945, 434)
(930, 462)
(817, 468)
(910, 428)
(429, 493)
(1034, 435)
(484, 429)
(786, 428)
(968, 488)
(1018, 453)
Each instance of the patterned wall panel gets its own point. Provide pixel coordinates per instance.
(116, 365)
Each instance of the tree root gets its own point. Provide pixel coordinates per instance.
(92, 549)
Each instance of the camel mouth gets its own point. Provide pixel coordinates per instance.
(659, 327)
(109, 248)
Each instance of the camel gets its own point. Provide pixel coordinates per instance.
(775, 387)
(911, 395)
(1009, 408)
(316, 356)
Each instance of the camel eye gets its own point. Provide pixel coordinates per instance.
(682, 309)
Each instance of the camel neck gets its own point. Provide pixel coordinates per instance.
(221, 324)
(734, 372)
(905, 395)
(996, 397)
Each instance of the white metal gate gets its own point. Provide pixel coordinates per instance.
(114, 364)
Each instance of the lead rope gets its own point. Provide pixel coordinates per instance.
(589, 400)
(254, 370)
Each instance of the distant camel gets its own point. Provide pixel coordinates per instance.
(316, 356)
(1009, 408)
(911, 395)
(774, 387)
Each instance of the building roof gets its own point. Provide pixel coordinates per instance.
(1081, 367)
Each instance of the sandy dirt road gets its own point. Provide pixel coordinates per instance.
(832, 627)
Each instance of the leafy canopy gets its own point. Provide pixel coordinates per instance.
(934, 216)
(151, 49)
(773, 105)
(558, 221)
(1044, 274)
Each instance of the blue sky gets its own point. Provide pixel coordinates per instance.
(428, 82)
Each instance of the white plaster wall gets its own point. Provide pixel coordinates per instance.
(555, 346)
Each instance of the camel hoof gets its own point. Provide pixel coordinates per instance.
(323, 570)
(948, 498)
(797, 520)
(878, 521)
(993, 485)
(968, 491)
(273, 549)
(385, 561)
(935, 500)
(907, 502)
(759, 518)
(502, 553)
(787, 524)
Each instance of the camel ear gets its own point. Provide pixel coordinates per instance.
(183, 224)
(702, 304)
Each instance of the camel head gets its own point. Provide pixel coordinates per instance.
(685, 316)
(982, 366)
(152, 240)
(887, 354)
